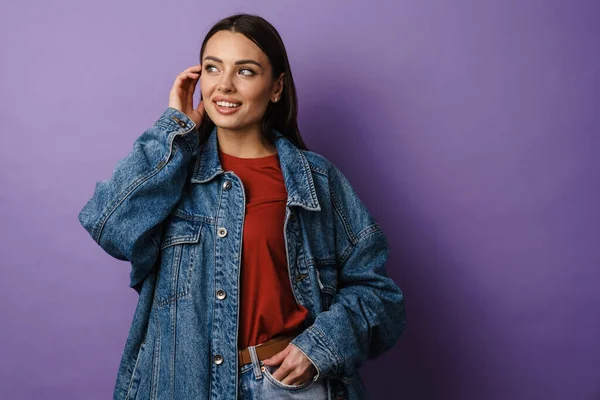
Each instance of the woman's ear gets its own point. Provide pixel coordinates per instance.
(278, 89)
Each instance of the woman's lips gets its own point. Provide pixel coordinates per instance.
(226, 110)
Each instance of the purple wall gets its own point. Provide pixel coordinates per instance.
(469, 128)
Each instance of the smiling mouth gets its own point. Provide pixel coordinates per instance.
(227, 104)
(226, 108)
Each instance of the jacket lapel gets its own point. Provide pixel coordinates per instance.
(294, 167)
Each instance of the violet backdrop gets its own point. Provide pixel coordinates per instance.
(469, 128)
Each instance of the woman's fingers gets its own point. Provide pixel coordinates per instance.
(188, 81)
(189, 73)
(191, 88)
(184, 80)
(183, 89)
(182, 93)
(193, 69)
(294, 367)
(292, 376)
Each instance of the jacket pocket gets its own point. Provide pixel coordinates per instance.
(327, 279)
(179, 254)
(143, 372)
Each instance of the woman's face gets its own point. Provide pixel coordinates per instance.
(237, 71)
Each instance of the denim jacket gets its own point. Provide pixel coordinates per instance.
(177, 217)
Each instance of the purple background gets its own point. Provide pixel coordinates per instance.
(469, 128)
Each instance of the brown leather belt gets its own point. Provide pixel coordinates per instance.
(269, 348)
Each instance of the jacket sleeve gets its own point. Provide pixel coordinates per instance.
(125, 214)
(366, 316)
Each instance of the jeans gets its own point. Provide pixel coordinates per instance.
(256, 382)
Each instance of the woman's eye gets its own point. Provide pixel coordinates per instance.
(249, 72)
(209, 67)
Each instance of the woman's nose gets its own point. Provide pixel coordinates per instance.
(225, 84)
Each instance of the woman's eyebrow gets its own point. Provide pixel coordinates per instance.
(239, 62)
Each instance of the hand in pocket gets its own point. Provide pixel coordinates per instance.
(294, 367)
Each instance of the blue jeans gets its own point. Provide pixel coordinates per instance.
(256, 382)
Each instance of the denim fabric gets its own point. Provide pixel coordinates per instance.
(162, 210)
(256, 382)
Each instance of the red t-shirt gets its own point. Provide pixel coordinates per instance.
(267, 304)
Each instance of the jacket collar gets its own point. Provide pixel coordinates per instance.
(294, 166)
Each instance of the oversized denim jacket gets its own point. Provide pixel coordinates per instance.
(161, 210)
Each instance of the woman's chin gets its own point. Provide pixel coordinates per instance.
(229, 123)
(222, 120)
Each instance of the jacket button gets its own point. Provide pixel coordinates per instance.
(221, 294)
(222, 232)
(218, 359)
(226, 185)
(180, 122)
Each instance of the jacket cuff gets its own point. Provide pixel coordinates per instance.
(180, 128)
(319, 350)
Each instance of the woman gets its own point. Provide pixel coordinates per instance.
(260, 272)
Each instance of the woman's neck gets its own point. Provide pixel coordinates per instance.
(244, 144)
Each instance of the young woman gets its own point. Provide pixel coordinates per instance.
(260, 272)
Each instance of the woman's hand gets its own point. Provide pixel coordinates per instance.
(295, 367)
(181, 96)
